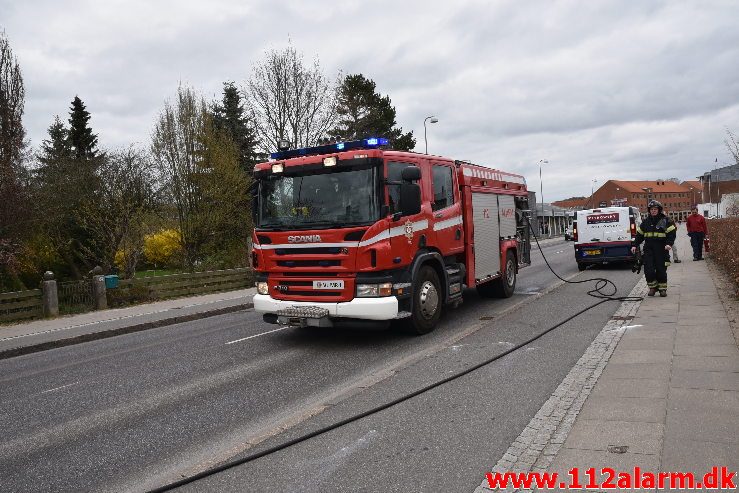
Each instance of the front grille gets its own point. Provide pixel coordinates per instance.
(309, 263)
(308, 251)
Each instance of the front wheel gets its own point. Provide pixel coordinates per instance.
(427, 301)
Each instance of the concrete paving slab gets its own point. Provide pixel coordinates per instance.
(697, 338)
(695, 424)
(598, 434)
(643, 387)
(634, 341)
(615, 370)
(584, 459)
(705, 400)
(615, 408)
(641, 356)
(706, 350)
(697, 456)
(706, 380)
(708, 363)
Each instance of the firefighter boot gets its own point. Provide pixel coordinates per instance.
(652, 291)
(663, 293)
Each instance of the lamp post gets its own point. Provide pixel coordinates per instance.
(648, 191)
(425, 140)
(541, 190)
(592, 191)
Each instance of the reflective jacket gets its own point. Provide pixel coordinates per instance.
(656, 232)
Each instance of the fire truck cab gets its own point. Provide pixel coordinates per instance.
(354, 233)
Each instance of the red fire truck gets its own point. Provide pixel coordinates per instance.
(354, 233)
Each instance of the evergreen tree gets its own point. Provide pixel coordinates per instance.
(229, 117)
(81, 137)
(365, 113)
(56, 147)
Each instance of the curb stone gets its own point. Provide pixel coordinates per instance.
(540, 441)
(104, 334)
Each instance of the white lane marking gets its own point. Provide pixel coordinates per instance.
(633, 326)
(59, 388)
(257, 335)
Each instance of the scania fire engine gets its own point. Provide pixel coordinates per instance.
(354, 233)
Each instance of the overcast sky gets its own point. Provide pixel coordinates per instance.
(629, 89)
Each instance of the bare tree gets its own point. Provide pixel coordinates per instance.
(290, 101)
(176, 147)
(732, 144)
(204, 183)
(115, 220)
(12, 145)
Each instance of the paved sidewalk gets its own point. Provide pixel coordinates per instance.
(47, 333)
(659, 391)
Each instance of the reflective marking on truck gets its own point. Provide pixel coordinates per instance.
(448, 223)
(304, 245)
(396, 231)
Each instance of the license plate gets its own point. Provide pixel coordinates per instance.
(591, 252)
(331, 285)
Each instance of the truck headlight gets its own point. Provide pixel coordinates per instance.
(262, 288)
(374, 290)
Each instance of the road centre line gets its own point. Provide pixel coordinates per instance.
(257, 335)
(59, 388)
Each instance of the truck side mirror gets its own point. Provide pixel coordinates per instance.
(410, 198)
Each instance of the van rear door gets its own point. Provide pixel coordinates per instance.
(604, 225)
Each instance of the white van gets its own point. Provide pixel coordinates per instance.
(604, 235)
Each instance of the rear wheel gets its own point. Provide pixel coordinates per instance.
(506, 285)
(581, 267)
(427, 301)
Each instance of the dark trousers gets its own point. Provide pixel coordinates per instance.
(655, 267)
(696, 241)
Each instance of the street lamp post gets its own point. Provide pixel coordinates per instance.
(541, 190)
(425, 140)
(648, 191)
(592, 191)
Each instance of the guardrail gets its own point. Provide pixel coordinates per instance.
(21, 305)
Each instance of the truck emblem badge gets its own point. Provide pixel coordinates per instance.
(409, 231)
(304, 239)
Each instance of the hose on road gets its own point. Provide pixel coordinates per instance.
(597, 292)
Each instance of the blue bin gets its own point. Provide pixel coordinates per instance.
(111, 282)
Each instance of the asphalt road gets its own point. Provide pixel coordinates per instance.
(137, 411)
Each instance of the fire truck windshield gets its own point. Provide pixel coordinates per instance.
(339, 197)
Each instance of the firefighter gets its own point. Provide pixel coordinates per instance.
(657, 232)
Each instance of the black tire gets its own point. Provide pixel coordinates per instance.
(506, 285)
(581, 267)
(427, 302)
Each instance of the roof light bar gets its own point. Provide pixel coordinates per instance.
(330, 148)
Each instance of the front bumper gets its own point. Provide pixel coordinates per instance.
(385, 308)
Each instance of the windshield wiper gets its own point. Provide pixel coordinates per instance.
(271, 225)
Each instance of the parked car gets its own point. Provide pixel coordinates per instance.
(568, 234)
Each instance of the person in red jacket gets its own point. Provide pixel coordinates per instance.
(697, 231)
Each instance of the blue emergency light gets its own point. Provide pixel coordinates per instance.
(329, 148)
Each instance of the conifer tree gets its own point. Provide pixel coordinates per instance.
(362, 113)
(81, 137)
(229, 117)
